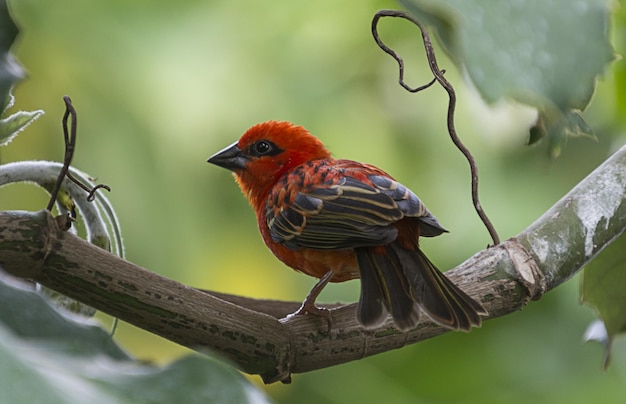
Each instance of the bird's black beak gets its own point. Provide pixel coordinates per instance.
(231, 157)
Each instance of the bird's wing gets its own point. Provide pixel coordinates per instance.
(346, 213)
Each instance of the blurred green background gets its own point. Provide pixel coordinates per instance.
(160, 86)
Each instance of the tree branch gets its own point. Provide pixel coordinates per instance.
(504, 278)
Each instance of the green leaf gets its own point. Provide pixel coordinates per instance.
(547, 54)
(10, 70)
(13, 124)
(558, 127)
(10, 73)
(27, 315)
(47, 356)
(603, 289)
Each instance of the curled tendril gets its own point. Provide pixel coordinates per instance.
(432, 62)
(69, 136)
(92, 194)
(394, 54)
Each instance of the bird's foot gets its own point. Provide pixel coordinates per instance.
(309, 308)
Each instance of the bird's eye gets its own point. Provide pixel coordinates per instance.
(264, 148)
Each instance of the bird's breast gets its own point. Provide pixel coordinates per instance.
(316, 263)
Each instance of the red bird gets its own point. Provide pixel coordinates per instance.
(338, 220)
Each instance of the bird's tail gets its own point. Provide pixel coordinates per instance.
(401, 282)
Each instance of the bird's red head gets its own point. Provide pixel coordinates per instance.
(265, 152)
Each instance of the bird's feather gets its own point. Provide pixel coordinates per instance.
(348, 212)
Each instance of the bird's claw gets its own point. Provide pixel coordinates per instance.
(309, 308)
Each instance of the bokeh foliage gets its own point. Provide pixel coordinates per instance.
(160, 85)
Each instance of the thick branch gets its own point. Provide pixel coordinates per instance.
(247, 331)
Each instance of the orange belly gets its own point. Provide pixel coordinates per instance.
(318, 262)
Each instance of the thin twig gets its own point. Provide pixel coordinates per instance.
(92, 194)
(432, 62)
(398, 59)
(70, 145)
